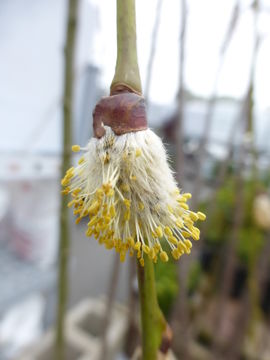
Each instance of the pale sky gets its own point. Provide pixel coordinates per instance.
(31, 52)
(206, 26)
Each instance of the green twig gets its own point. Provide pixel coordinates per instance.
(153, 322)
(127, 74)
(66, 162)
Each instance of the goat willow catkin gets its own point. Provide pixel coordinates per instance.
(124, 185)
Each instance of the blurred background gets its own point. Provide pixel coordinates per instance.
(206, 79)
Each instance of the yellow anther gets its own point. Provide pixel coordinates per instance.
(106, 187)
(187, 196)
(196, 234)
(127, 203)
(170, 209)
(201, 215)
(77, 211)
(70, 171)
(137, 246)
(152, 253)
(110, 193)
(125, 187)
(106, 158)
(81, 160)
(193, 216)
(112, 211)
(146, 249)
(139, 254)
(78, 220)
(109, 245)
(93, 221)
(93, 209)
(131, 241)
(138, 152)
(159, 231)
(176, 192)
(70, 204)
(157, 247)
(65, 181)
(133, 178)
(131, 252)
(182, 247)
(66, 191)
(176, 254)
(107, 219)
(76, 148)
(168, 231)
(163, 256)
(173, 240)
(188, 244)
(141, 262)
(179, 223)
(122, 256)
(141, 205)
(184, 205)
(89, 232)
(186, 234)
(76, 191)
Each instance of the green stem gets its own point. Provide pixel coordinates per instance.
(127, 74)
(153, 322)
(64, 245)
(127, 78)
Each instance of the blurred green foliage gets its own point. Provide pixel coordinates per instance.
(166, 284)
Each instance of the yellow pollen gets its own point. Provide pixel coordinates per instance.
(125, 187)
(176, 254)
(110, 193)
(168, 231)
(76, 191)
(142, 262)
(66, 191)
(76, 148)
(133, 178)
(71, 203)
(112, 211)
(170, 209)
(201, 215)
(122, 256)
(159, 231)
(130, 241)
(137, 246)
(81, 161)
(173, 240)
(93, 209)
(185, 234)
(163, 256)
(127, 203)
(187, 196)
(179, 223)
(193, 216)
(146, 249)
(184, 205)
(78, 220)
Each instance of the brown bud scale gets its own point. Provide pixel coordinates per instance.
(123, 112)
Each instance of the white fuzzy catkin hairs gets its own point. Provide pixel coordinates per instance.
(126, 188)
